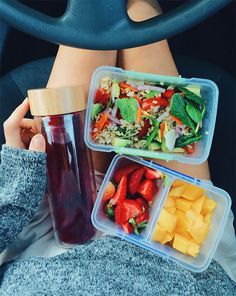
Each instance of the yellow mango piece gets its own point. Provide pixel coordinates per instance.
(185, 234)
(158, 233)
(183, 224)
(208, 206)
(193, 249)
(170, 202)
(207, 218)
(167, 220)
(192, 192)
(199, 232)
(183, 204)
(198, 204)
(178, 183)
(171, 210)
(179, 213)
(178, 191)
(180, 243)
(167, 238)
(191, 216)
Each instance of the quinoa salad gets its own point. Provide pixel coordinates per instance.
(147, 115)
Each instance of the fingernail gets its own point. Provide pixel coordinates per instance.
(38, 140)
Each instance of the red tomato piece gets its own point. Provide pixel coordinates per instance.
(102, 97)
(146, 104)
(168, 93)
(190, 148)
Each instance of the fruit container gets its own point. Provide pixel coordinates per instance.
(207, 90)
(145, 238)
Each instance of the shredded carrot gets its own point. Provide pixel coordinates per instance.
(137, 98)
(124, 85)
(139, 113)
(101, 122)
(176, 119)
(162, 129)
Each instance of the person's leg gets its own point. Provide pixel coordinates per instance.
(155, 58)
(75, 66)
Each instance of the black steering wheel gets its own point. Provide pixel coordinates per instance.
(105, 24)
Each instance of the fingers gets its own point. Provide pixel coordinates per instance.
(29, 124)
(37, 143)
(13, 122)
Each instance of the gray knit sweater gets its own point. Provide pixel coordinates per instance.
(107, 266)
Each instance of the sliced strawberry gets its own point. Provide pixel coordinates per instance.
(144, 129)
(121, 191)
(145, 215)
(102, 97)
(109, 191)
(135, 179)
(128, 228)
(168, 93)
(125, 171)
(126, 210)
(152, 174)
(146, 189)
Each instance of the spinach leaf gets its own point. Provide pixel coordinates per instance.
(97, 108)
(194, 113)
(185, 140)
(128, 109)
(177, 108)
(191, 96)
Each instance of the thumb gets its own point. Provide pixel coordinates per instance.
(37, 143)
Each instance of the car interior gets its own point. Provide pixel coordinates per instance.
(206, 50)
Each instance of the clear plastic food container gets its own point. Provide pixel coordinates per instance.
(144, 240)
(208, 89)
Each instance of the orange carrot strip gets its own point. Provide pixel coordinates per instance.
(176, 119)
(139, 113)
(124, 85)
(101, 122)
(162, 129)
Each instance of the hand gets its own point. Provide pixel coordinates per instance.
(22, 132)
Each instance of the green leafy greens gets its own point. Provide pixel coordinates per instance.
(194, 113)
(191, 95)
(128, 108)
(178, 109)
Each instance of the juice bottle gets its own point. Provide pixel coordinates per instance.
(71, 182)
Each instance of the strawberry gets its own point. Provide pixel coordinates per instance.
(121, 191)
(168, 93)
(144, 129)
(126, 210)
(146, 189)
(109, 191)
(125, 171)
(145, 215)
(152, 174)
(135, 179)
(128, 228)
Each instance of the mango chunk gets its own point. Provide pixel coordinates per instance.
(208, 206)
(167, 221)
(180, 243)
(198, 204)
(183, 204)
(199, 232)
(192, 192)
(171, 210)
(185, 234)
(193, 249)
(178, 183)
(167, 238)
(207, 218)
(170, 202)
(158, 233)
(178, 191)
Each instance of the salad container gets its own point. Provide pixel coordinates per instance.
(145, 239)
(206, 89)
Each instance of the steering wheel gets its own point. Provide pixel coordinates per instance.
(105, 24)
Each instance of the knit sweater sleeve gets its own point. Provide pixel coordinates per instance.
(22, 186)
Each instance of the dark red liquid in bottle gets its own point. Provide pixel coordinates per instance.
(71, 178)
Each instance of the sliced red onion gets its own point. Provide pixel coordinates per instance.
(150, 87)
(114, 111)
(114, 119)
